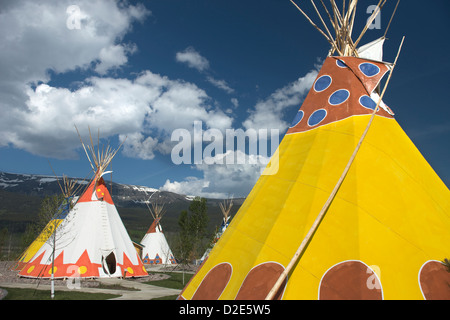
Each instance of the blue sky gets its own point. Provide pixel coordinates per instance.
(145, 69)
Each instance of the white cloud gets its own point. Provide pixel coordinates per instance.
(114, 106)
(39, 118)
(268, 114)
(136, 145)
(222, 180)
(34, 38)
(190, 186)
(189, 103)
(106, 104)
(193, 59)
(113, 56)
(221, 84)
(235, 102)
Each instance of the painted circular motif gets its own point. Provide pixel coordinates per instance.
(214, 282)
(260, 281)
(367, 102)
(298, 118)
(341, 64)
(369, 69)
(350, 280)
(322, 83)
(339, 97)
(434, 279)
(82, 270)
(54, 270)
(317, 117)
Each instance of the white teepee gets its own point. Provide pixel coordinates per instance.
(92, 241)
(156, 249)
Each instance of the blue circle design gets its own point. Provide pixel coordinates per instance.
(367, 102)
(317, 117)
(369, 69)
(298, 118)
(341, 64)
(322, 83)
(339, 97)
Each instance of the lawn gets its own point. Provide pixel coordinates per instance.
(31, 294)
(174, 282)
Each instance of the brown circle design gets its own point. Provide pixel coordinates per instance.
(214, 283)
(434, 281)
(260, 280)
(350, 280)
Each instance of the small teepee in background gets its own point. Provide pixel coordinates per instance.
(156, 249)
(93, 241)
(225, 208)
(68, 190)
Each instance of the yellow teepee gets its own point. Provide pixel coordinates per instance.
(68, 190)
(354, 210)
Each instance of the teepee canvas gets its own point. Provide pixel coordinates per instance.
(60, 214)
(156, 250)
(354, 210)
(92, 241)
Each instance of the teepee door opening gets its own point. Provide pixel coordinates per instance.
(109, 263)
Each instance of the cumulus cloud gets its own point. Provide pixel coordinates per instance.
(35, 38)
(193, 59)
(222, 180)
(39, 117)
(113, 57)
(268, 114)
(130, 107)
(136, 145)
(106, 104)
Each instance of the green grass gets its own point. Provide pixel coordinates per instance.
(174, 282)
(32, 294)
(167, 298)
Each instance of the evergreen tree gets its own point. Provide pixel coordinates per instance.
(4, 236)
(192, 230)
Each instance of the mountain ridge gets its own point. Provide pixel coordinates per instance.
(129, 200)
